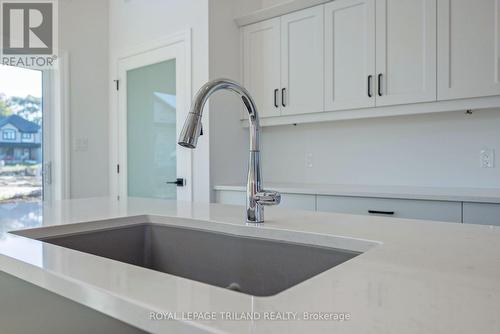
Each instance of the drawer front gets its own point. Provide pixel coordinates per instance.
(399, 208)
(482, 213)
(230, 197)
(298, 202)
(288, 201)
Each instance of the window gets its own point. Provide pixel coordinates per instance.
(8, 135)
(26, 136)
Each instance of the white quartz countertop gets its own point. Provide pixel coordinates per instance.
(420, 277)
(478, 195)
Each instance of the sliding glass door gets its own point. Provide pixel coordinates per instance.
(21, 135)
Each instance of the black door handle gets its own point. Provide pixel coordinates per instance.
(376, 212)
(179, 182)
(283, 97)
(276, 98)
(370, 77)
(380, 84)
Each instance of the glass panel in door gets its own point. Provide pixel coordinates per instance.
(151, 131)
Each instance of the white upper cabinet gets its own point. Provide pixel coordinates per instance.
(406, 51)
(368, 58)
(349, 54)
(261, 65)
(468, 48)
(302, 67)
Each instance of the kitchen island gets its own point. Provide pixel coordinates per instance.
(413, 276)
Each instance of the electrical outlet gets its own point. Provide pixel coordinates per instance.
(309, 160)
(487, 158)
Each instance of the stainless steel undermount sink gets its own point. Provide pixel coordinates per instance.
(248, 264)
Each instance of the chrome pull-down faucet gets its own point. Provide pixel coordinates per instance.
(256, 196)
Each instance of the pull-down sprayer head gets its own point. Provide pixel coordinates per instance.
(192, 127)
(191, 130)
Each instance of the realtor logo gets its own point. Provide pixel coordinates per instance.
(28, 28)
(29, 33)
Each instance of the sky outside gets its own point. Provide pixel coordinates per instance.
(16, 81)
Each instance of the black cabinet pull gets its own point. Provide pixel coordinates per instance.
(283, 97)
(380, 84)
(276, 98)
(370, 77)
(376, 212)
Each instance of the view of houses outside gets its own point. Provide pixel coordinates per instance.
(20, 134)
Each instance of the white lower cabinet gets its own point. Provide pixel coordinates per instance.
(482, 213)
(230, 197)
(288, 201)
(446, 211)
(398, 208)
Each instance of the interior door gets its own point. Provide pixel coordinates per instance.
(468, 48)
(152, 109)
(349, 54)
(302, 67)
(261, 70)
(406, 51)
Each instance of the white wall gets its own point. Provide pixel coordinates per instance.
(135, 22)
(83, 33)
(422, 150)
(229, 142)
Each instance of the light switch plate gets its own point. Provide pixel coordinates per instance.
(80, 144)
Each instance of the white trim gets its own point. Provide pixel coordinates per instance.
(56, 131)
(396, 110)
(117, 121)
(62, 123)
(277, 10)
(179, 37)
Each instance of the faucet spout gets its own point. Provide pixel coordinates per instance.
(256, 197)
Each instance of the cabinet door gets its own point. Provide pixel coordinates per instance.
(349, 54)
(482, 213)
(261, 65)
(406, 51)
(468, 48)
(302, 61)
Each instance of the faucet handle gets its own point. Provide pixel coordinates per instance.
(267, 197)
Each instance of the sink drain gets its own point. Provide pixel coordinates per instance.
(234, 286)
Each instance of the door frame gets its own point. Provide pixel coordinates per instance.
(176, 46)
(56, 165)
(56, 130)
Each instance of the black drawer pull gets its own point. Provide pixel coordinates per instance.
(370, 77)
(380, 84)
(276, 98)
(376, 212)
